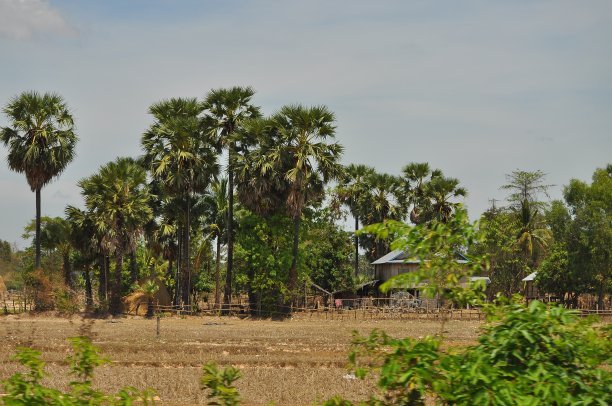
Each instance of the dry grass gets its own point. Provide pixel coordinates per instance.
(293, 362)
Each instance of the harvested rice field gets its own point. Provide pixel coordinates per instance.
(292, 362)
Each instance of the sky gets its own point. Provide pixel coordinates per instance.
(475, 88)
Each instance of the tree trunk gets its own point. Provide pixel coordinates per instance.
(88, 290)
(102, 280)
(179, 265)
(37, 263)
(356, 247)
(67, 270)
(133, 267)
(296, 240)
(227, 295)
(186, 272)
(600, 296)
(115, 302)
(150, 310)
(218, 273)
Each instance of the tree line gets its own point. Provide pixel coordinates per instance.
(265, 221)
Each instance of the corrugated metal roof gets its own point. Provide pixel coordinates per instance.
(401, 257)
(530, 277)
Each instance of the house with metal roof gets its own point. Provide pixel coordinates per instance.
(398, 262)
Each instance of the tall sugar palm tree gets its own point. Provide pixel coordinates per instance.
(215, 202)
(440, 191)
(226, 110)
(384, 202)
(41, 140)
(306, 158)
(181, 156)
(352, 190)
(118, 199)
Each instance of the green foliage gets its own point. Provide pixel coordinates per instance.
(327, 253)
(435, 245)
(24, 389)
(526, 355)
(220, 384)
(498, 230)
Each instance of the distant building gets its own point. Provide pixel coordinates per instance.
(399, 262)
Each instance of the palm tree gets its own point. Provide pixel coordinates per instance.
(41, 141)
(118, 200)
(525, 188)
(179, 155)
(415, 179)
(352, 191)
(83, 238)
(440, 191)
(383, 202)
(227, 109)
(54, 236)
(305, 158)
(215, 203)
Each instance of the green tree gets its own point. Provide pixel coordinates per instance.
(589, 242)
(227, 110)
(55, 235)
(533, 237)
(215, 211)
(41, 141)
(180, 155)
(352, 190)
(306, 159)
(383, 202)
(118, 199)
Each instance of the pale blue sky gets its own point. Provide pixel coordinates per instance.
(476, 88)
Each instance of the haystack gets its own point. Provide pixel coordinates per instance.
(3, 290)
(136, 302)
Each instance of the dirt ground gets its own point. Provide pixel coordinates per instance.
(293, 362)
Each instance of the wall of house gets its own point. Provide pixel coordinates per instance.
(385, 272)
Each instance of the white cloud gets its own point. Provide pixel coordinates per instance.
(26, 19)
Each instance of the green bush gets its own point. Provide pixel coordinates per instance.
(525, 356)
(25, 389)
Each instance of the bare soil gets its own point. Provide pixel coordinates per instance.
(292, 362)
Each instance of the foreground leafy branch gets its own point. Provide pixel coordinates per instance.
(27, 388)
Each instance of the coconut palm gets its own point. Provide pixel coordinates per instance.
(41, 141)
(179, 155)
(353, 190)
(118, 199)
(226, 110)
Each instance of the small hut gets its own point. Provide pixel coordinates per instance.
(531, 290)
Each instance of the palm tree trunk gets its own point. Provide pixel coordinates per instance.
(133, 267)
(218, 273)
(102, 279)
(37, 263)
(88, 290)
(115, 304)
(67, 269)
(356, 247)
(186, 288)
(296, 240)
(179, 265)
(227, 295)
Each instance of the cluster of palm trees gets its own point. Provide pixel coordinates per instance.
(275, 164)
(420, 194)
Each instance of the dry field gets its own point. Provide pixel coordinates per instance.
(294, 362)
